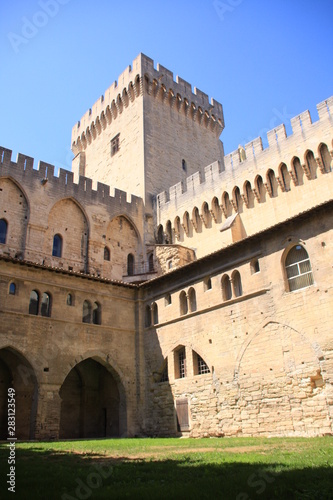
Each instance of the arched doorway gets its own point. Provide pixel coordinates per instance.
(93, 402)
(17, 373)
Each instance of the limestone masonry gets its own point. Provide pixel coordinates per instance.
(163, 287)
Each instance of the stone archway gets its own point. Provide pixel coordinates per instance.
(17, 373)
(92, 402)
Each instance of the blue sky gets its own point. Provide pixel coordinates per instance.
(264, 61)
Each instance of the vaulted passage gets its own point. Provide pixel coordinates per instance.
(92, 404)
(17, 373)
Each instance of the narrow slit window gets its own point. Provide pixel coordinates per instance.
(3, 230)
(115, 145)
(57, 246)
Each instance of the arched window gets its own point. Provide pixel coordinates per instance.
(86, 312)
(168, 233)
(192, 300)
(312, 164)
(160, 235)
(325, 158)
(206, 215)
(227, 207)
(196, 220)
(216, 210)
(237, 284)
(155, 313)
(183, 303)
(272, 183)
(57, 246)
(298, 268)
(249, 194)
(45, 309)
(130, 264)
(97, 314)
(3, 230)
(106, 253)
(12, 289)
(34, 302)
(147, 316)
(177, 227)
(297, 170)
(226, 287)
(238, 200)
(285, 177)
(260, 188)
(186, 223)
(69, 300)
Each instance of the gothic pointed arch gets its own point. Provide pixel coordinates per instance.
(267, 362)
(297, 171)
(93, 399)
(123, 239)
(17, 373)
(16, 217)
(226, 204)
(68, 224)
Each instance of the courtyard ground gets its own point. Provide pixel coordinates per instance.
(212, 468)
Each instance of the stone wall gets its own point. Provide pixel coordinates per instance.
(46, 349)
(210, 199)
(37, 205)
(268, 350)
(166, 132)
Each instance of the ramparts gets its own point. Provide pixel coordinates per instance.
(134, 81)
(253, 158)
(63, 185)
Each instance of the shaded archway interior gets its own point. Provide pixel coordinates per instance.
(17, 373)
(92, 403)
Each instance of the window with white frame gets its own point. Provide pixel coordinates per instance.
(298, 268)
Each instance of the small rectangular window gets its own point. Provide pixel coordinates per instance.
(180, 363)
(115, 145)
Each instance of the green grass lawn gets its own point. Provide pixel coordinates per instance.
(216, 468)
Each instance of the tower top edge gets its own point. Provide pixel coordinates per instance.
(144, 67)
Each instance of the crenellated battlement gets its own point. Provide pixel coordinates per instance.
(24, 173)
(142, 78)
(255, 159)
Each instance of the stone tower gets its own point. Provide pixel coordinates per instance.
(147, 133)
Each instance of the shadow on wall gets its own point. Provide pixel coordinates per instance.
(17, 373)
(160, 418)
